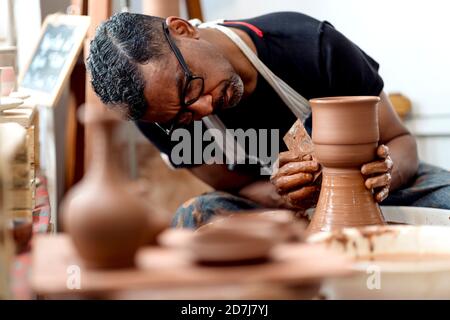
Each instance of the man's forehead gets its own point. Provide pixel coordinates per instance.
(161, 78)
(156, 67)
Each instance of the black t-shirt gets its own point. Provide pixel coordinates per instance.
(309, 55)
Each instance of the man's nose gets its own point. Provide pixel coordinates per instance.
(202, 107)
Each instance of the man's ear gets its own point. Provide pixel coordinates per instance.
(181, 27)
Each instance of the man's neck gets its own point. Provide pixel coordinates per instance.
(234, 55)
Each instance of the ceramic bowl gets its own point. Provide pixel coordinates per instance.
(221, 245)
(238, 237)
(391, 262)
(282, 223)
(175, 238)
(212, 245)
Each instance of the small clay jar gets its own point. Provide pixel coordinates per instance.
(345, 136)
(105, 221)
(233, 240)
(284, 224)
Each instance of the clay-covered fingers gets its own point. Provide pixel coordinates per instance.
(285, 183)
(291, 156)
(383, 151)
(302, 197)
(380, 166)
(288, 156)
(292, 168)
(283, 158)
(380, 181)
(378, 174)
(293, 178)
(381, 194)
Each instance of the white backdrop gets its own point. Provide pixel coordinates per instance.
(409, 38)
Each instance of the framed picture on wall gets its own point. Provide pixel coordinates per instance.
(54, 57)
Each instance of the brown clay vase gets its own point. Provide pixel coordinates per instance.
(106, 222)
(345, 136)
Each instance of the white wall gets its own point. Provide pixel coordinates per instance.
(28, 26)
(3, 20)
(409, 38)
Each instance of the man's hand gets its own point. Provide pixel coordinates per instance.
(293, 179)
(378, 174)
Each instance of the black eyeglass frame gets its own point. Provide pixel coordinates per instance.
(189, 77)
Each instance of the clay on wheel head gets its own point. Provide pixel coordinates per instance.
(345, 136)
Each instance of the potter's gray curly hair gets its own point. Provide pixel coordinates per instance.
(120, 45)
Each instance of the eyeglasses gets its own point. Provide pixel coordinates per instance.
(191, 91)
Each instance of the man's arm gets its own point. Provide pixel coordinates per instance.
(220, 178)
(402, 145)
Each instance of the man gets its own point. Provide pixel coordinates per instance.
(166, 74)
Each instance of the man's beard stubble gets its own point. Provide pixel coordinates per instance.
(236, 86)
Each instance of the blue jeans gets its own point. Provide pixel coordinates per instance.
(430, 188)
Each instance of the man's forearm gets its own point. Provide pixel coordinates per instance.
(220, 178)
(264, 193)
(403, 152)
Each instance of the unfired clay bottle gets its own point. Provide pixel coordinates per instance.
(105, 221)
(345, 136)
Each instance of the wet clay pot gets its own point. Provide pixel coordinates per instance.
(345, 136)
(105, 221)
